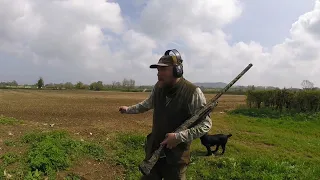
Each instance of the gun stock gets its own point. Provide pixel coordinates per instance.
(146, 166)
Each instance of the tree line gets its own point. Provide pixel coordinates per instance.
(306, 99)
(125, 85)
(129, 85)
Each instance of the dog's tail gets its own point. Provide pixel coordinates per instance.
(229, 135)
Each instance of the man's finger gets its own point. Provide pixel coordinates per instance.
(164, 141)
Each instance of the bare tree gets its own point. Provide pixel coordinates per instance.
(116, 84)
(128, 83)
(306, 84)
(132, 83)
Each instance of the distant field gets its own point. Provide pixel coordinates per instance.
(93, 117)
(75, 109)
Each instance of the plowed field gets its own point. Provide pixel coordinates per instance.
(87, 114)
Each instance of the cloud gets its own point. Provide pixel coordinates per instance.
(59, 31)
(297, 58)
(211, 58)
(167, 20)
(94, 41)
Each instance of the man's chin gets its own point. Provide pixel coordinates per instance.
(161, 83)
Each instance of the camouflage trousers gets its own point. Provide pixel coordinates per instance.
(162, 170)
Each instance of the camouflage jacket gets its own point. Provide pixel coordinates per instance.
(187, 135)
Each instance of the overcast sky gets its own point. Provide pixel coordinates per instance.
(79, 40)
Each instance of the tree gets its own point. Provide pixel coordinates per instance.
(40, 83)
(14, 83)
(116, 84)
(125, 82)
(128, 83)
(68, 85)
(251, 87)
(132, 83)
(79, 85)
(97, 86)
(306, 84)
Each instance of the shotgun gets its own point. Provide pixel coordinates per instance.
(146, 166)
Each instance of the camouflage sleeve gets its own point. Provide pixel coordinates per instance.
(141, 107)
(202, 127)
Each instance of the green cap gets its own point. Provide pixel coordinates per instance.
(165, 61)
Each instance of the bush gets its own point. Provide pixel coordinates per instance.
(299, 101)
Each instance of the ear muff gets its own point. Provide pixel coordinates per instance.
(177, 69)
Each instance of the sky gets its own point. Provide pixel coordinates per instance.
(98, 40)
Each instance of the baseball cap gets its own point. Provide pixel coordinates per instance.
(165, 61)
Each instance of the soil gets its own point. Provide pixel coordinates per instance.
(87, 115)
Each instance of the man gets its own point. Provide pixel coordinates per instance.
(173, 99)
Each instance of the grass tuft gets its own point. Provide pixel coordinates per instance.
(129, 152)
(50, 152)
(9, 120)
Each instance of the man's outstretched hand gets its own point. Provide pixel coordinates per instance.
(170, 141)
(123, 109)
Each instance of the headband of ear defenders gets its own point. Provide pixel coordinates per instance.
(176, 54)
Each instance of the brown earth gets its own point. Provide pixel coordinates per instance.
(86, 114)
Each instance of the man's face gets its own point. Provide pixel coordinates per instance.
(165, 76)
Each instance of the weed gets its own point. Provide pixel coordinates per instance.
(129, 153)
(51, 152)
(9, 158)
(8, 120)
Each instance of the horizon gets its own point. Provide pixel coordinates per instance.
(110, 83)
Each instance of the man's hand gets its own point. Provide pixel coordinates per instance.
(170, 141)
(123, 109)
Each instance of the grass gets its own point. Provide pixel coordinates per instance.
(47, 153)
(128, 153)
(274, 114)
(8, 120)
(264, 145)
(283, 147)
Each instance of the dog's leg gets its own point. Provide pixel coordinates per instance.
(223, 148)
(209, 153)
(217, 147)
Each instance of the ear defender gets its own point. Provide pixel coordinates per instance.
(178, 67)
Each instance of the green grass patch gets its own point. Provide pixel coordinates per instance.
(247, 168)
(9, 158)
(261, 147)
(129, 153)
(50, 152)
(274, 114)
(9, 120)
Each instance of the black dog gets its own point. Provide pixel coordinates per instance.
(216, 139)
